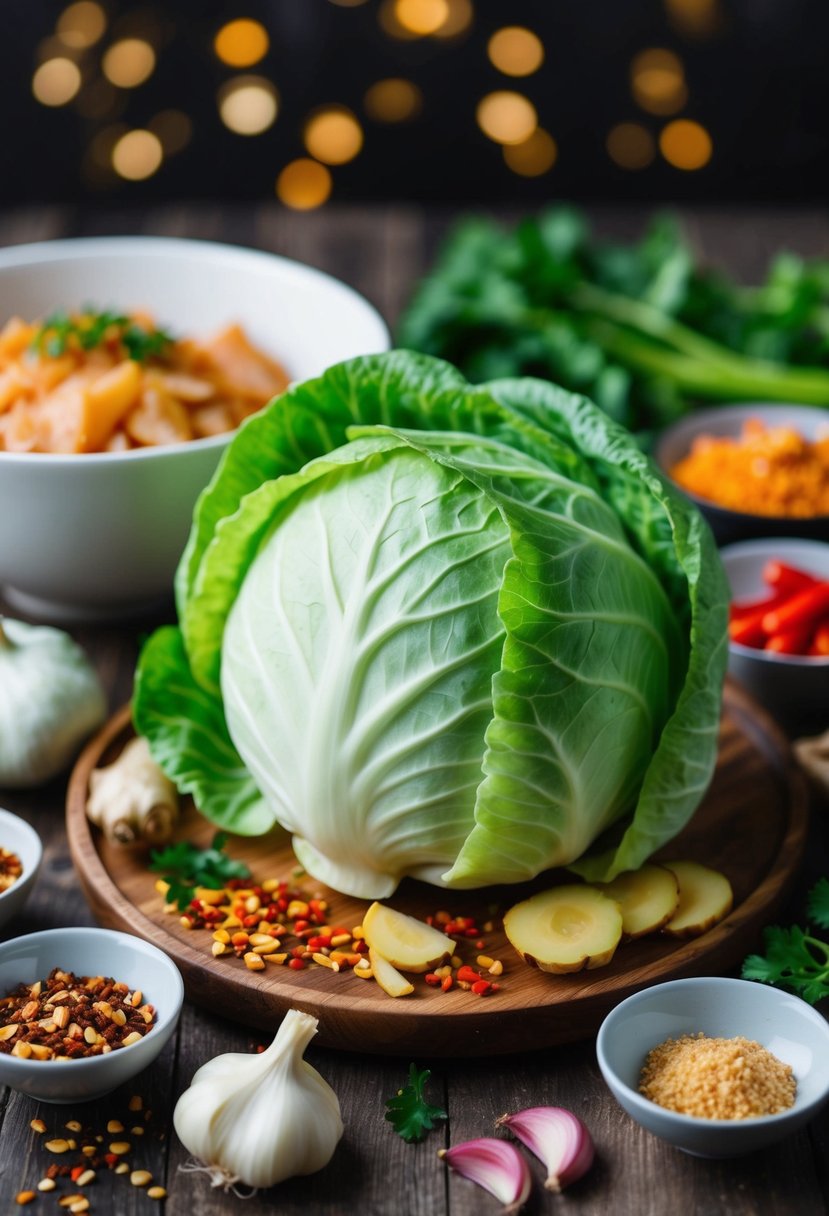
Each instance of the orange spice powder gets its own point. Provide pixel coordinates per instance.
(717, 1078)
(763, 470)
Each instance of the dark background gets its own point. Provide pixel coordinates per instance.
(755, 72)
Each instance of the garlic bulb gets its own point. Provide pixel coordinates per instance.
(50, 700)
(258, 1119)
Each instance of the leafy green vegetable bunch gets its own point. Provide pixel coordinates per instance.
(640, 328)
(458, 633)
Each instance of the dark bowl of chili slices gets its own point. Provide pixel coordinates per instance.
(753, 470)
(779, 627)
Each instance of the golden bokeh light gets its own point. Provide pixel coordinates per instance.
(241, 43)
(630, 146)
(515, 51)
(421, 17)
(533, 156)
(698, 18)
(81, 25)
(461, 16)
(393, 100)
(303, 184)
(56, 82)
(657, 79)
(174, 128)
(137, 155)
(686, 144)
(248, 105)
(128, 63)
(506, 117)
(333, 135)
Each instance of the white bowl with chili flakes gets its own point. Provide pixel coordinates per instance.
(718, 1008)
(18, 840)
(151, 980)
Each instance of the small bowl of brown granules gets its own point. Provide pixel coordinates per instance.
(82, 1010)
(717, 1067)
(20, 857)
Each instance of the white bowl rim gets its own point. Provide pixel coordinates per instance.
(736, 410)
(68, 249)
(93, 932)
(750, 547)
(36, 844)
(677, 1118)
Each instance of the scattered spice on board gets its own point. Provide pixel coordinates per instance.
(717, 1078)
(764, 470)
(11, 867)
(277, 923)
(65, 1017)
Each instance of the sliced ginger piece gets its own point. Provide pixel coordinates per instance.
(404, 941)
(648, 898)
(387, 976)
(705, 897)
(565, 929)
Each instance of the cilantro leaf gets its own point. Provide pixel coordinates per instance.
(184, 866)
(792, 960)
(818, 903)
(409, 1113)
(89, 328)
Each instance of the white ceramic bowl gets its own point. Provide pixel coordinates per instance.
(90, 952)
(721, 1008)
(18, 837)
(793, 688)
(100, 534)
(728, 420)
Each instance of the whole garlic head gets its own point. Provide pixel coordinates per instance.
(258, 1119)
(50, 700)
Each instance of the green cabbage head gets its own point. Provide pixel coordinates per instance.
(459, 633)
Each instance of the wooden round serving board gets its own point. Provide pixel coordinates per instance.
(751, 825)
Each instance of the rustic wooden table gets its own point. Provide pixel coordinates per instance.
(381, 251)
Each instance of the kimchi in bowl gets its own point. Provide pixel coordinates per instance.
(93, 517)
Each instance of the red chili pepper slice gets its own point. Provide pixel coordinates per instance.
(805, 608)
(785, 579)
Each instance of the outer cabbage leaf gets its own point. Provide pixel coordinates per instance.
(187, 734)
(677, 544)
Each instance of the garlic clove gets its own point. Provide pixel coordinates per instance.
(495, 1165)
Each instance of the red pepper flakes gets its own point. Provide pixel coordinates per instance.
(468, 975)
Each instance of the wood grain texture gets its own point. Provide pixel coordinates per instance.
(751, 825)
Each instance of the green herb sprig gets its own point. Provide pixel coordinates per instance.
(409, 1113)
(90, 328)
(793, 958)
(185, 867)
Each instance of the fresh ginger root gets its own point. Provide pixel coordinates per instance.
(131, 800)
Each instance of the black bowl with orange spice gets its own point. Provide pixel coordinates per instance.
(82, 1010)
(753, 470)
